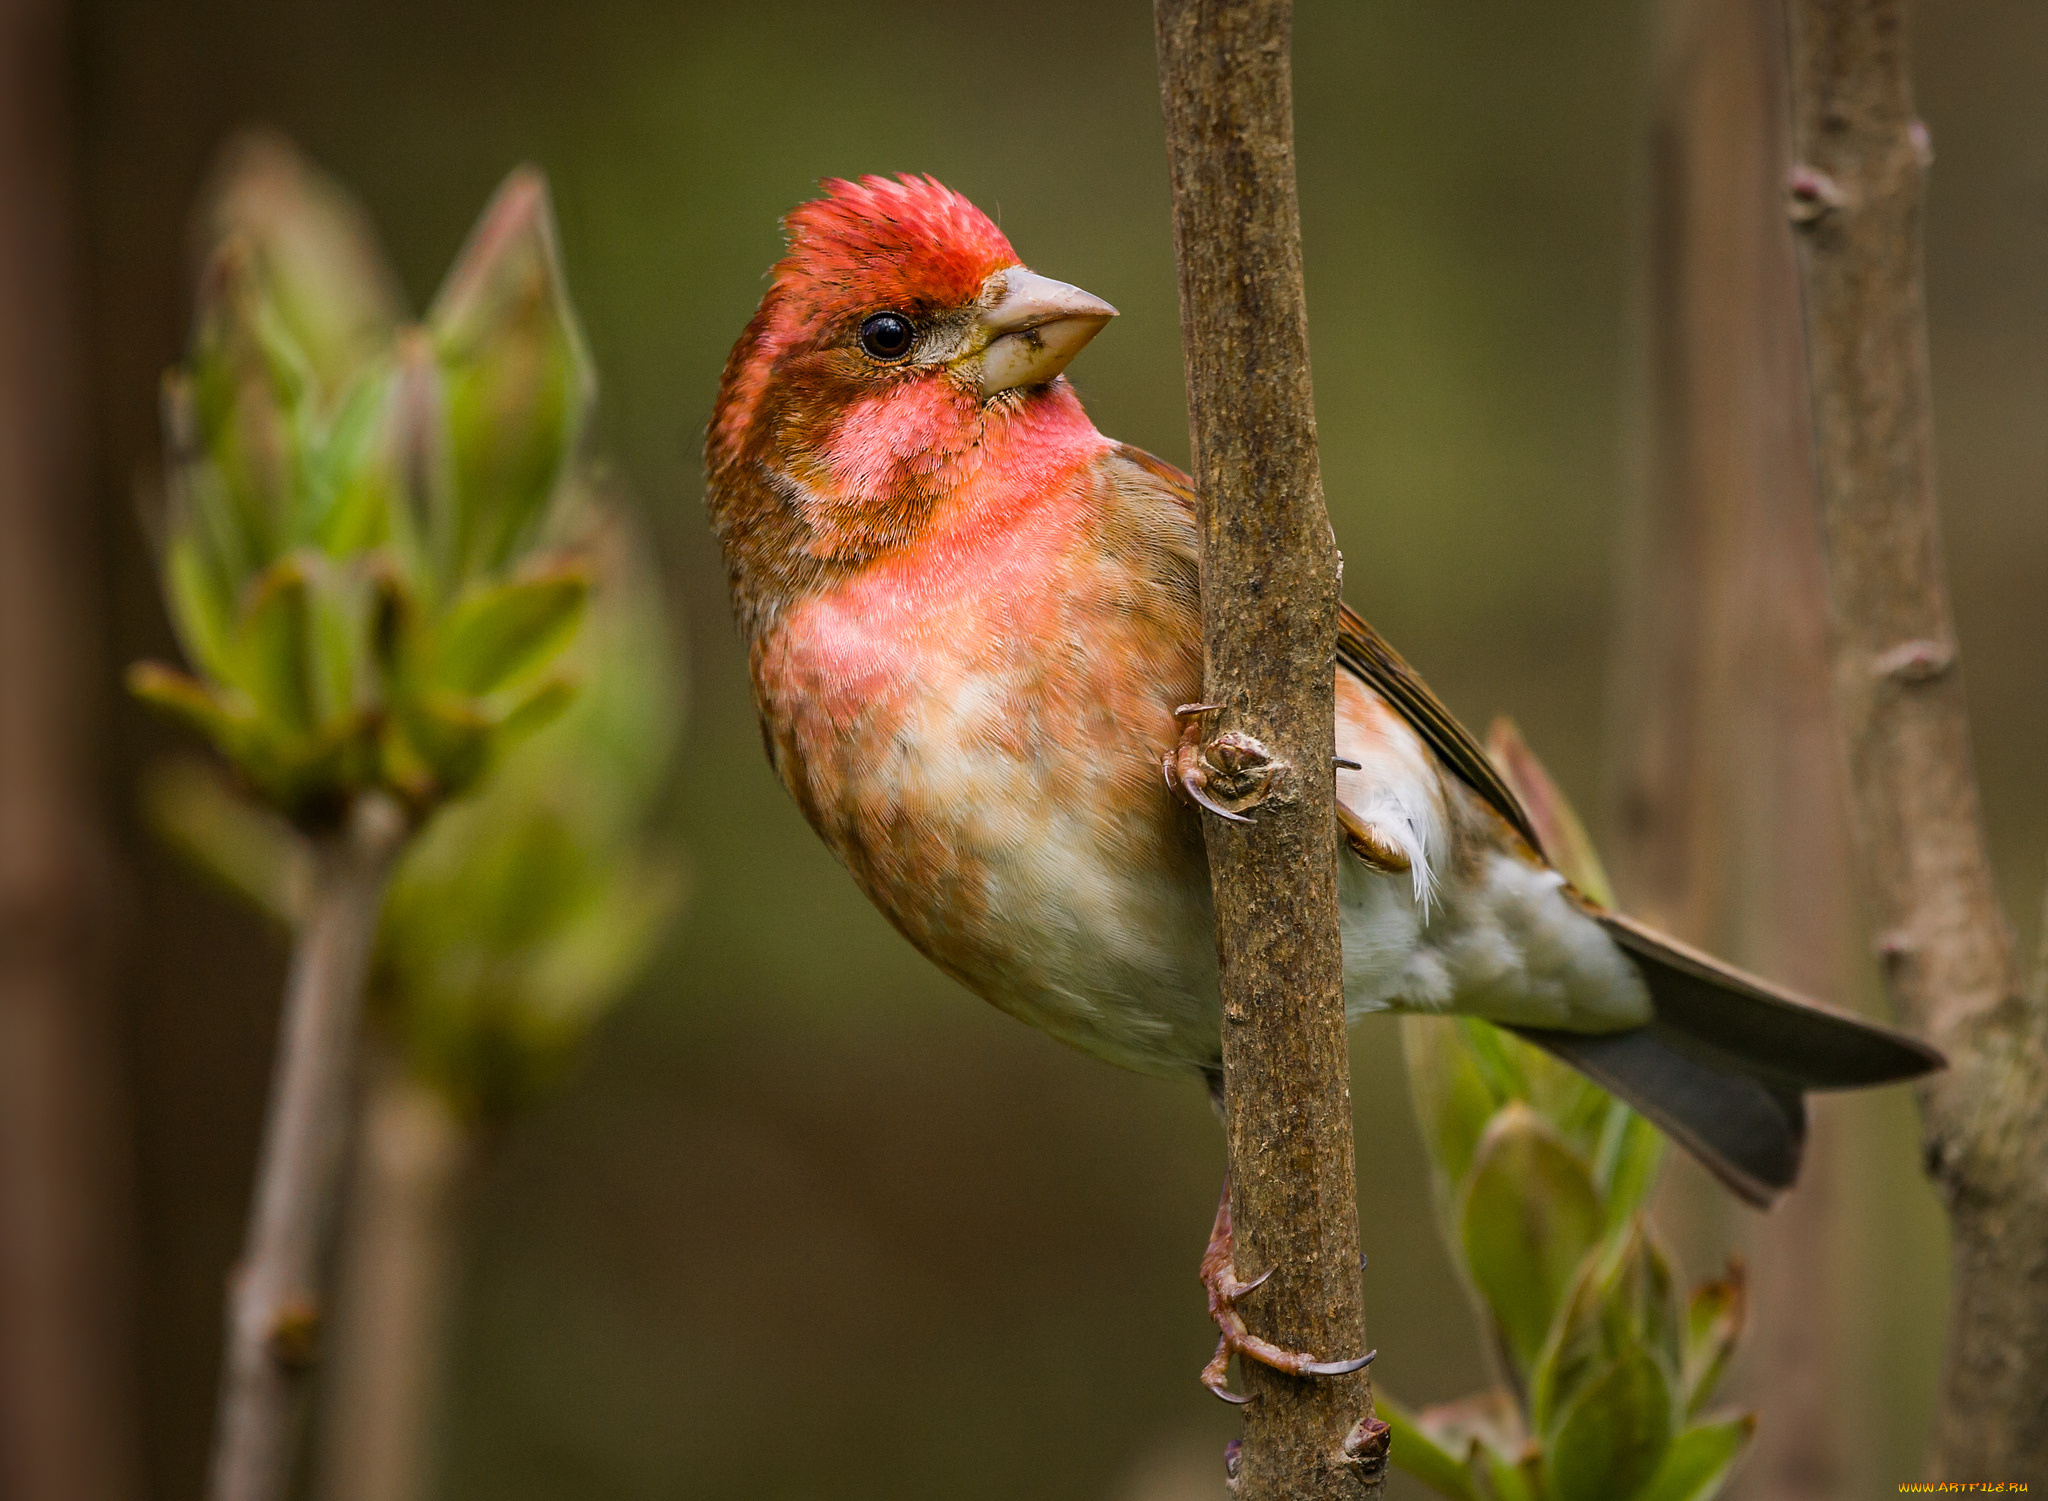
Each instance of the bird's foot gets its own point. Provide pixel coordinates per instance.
(1220, 1278)
(1217, 771)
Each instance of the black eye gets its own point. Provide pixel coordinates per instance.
(887, 336)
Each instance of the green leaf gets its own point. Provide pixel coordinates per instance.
(402, 768)
(1453, 1101)
(1613, 1436)
(347, 470)
(1699, 1459)
(244, 847)
(1620, 1302)
(626, 717)
(340, 666)
(1476, 1447)
(1528, 1220)
(1578, 1348)
(313, 253)
(1653, 1302)
(537, 710)
(193, 703)
(201, 602)
(1498, 1057)
(607, 940)
(1415, 1450)
(418, 473)
(1571, 1102)
(523, 912)
(447, 744)
(518, 379)
(273, 648)
(1714, 1318)
(1499, 1478)
(248, 383)
(1625, 1169)
(496, 635)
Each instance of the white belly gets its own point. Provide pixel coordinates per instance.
(1120, 965)
(1510, 947)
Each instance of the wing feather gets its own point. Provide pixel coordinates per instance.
(1364, 653)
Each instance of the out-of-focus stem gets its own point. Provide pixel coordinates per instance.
(275, 1308)
(1732, 829)
(383, 1381)
(65, 1410)
(1855, 193)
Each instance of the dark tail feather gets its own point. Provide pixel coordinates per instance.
(1760, 1029)
(1724, 1063)
(1747, 1133)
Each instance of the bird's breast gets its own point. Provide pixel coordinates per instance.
(981, 746)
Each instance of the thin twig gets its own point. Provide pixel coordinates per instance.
(1860, 159)
(274, 1305)
(1270, 585)
(381, 1391)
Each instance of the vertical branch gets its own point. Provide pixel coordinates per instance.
(64, 1408)
(1270, 585)
(1733, 829)
(398, 1266)
(1855, 195)
(274, 1306)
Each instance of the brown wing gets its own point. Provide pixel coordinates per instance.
(1176, 484)
(1362, 652)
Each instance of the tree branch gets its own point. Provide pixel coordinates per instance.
(382, 1391)
(274, 1307)
(65, 1421)
(1270, 584)
(1855, 194)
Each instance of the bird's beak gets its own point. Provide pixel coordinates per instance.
(1033, 327)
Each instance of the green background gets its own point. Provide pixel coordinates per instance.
(812, 1222)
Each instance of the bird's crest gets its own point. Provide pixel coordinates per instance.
(907, 240)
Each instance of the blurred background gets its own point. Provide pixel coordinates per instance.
(808, 1220)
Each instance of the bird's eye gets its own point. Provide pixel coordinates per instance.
(887, 336)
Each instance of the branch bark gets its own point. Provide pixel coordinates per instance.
(1855, 194)
(274, 1304)
(1271, 579)
(66, 1426)
(398, 1269)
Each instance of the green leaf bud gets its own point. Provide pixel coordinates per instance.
(518, 380)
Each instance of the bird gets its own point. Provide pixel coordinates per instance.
(973, 632)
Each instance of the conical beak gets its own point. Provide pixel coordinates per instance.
(1034, 327)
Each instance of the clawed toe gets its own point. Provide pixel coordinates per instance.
(1189, 779)
(1216, 1374)
(1224, 1288)
(1187, 767)
(1240, 1289)
(1340, 1367)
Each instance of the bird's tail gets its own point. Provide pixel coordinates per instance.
(1726, 1060)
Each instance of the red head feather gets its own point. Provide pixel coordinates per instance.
(908, 244)
(821, 461)
(883, 242)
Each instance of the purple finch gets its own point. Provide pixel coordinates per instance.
(971, 619)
